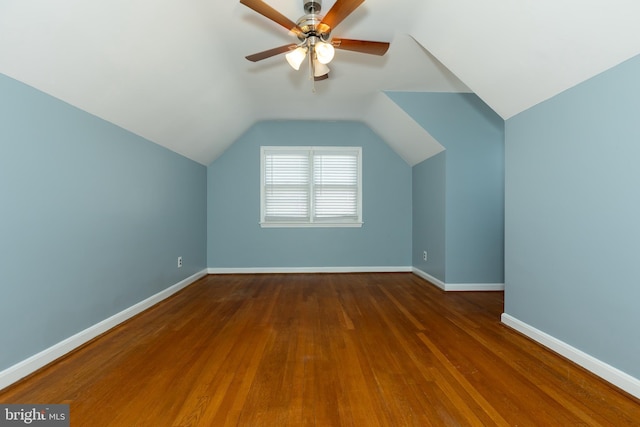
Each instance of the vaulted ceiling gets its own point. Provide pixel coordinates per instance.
(174, 72)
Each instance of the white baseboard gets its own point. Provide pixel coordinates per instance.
(429, 278)
(271, 270)
(607, 372)
(458, 287)
(39, 360)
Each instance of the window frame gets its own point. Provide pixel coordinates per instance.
(311, 222)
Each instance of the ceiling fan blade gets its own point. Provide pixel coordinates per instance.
(362, 46)
(322, 77)
(340, 10)
(271, 52)
(267, 11)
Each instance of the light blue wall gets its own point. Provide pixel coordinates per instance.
(235, 239)
(429, 215)
(573, 217)
(473, 136)
(92, 220)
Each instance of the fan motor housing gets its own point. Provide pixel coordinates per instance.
(311, 23)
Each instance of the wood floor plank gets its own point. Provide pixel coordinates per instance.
(323, 350)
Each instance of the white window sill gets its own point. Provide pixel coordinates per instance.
(311, 224)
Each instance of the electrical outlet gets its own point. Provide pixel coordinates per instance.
(179, 261)
(424, 255)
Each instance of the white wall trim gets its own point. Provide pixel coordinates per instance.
(39, 360)
(429, 278)
(471, 287)
(270, 270)
(458, 287)
(613, 375)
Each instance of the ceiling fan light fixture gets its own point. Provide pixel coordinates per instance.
(296, 56)
(324, 52)
(319, 69)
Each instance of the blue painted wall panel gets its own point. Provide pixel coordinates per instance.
(473, 136)
(572, 210)
(236, 240)
(92, 220)
(429, 215)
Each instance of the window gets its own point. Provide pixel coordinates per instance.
(311, 187)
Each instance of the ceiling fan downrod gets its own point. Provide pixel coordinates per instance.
(312, 6)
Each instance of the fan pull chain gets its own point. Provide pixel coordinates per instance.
(312, 71)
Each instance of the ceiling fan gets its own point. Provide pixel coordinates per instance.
(314, 34)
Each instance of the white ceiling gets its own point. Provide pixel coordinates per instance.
(173, 71)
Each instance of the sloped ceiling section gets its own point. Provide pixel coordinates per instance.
(424, 74)
(403, 134)
(153, 68)
(174, 72)
(516, 54)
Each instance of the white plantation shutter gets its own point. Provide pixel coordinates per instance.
(286, 186)
(335, 182)
(311, 186)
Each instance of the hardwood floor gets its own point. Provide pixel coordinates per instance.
(323, 350)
